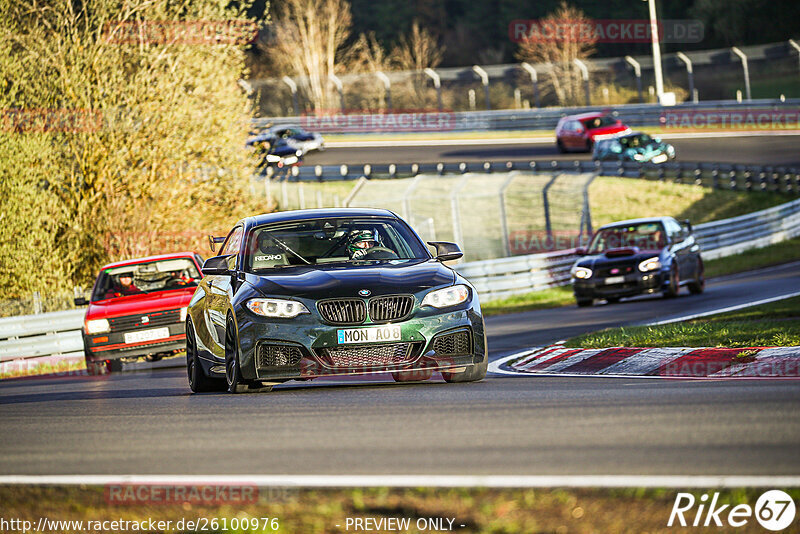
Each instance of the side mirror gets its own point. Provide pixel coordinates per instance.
(581, 251)
(216, 265)
(81, 301)
(446, 251)
(688, 225)
(212, 242)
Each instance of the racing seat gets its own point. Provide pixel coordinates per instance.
(269, 255)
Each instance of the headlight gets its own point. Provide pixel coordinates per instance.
(444, 298)
(581, 272)
(184, 313)
(279, 308)
(650, 264)
(97, 326)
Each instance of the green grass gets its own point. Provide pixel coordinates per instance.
(480, 510)
(776, 254)
(537, 300)
(773, 324)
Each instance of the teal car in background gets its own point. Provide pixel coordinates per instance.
(635, 146)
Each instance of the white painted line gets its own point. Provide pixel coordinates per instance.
(571, 360)
(535, 140)
(442, 481)
(723, 310)
(443, 142)
(646, 361)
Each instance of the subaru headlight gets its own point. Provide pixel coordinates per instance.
(277, 308)
(97, 326)
(184, 313)
(449, 296)
(650, 264)
(581, 272)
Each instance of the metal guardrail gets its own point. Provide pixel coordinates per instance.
(735, 177)
(58, 333)
(505, 277)
(27, 339)
(636, 115)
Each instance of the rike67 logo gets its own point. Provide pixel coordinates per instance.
(774, 510)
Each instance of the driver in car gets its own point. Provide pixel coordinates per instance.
(359, 243)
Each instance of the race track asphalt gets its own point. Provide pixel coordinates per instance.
(147, 422)
(762, 150)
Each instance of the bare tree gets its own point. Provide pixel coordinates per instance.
(416, 52)
(309, 39)
(558, 40)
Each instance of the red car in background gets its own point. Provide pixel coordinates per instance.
(578, 133)
(138, 310)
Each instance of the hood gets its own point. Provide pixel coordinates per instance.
(144, 303)
(606, 131)
(406, 276)
(617, 256)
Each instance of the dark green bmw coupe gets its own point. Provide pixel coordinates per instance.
(303, 294)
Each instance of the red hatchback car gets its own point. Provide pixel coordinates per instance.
(579, 132)
(138, 310)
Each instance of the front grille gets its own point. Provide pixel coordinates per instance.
(277, 356)
(343, 311)
(621, 269)
(127, 323)
(369, 356)
(391, 308)
(454, 344)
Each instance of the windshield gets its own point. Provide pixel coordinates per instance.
(146, 277)
(636, 141)
(646, 236)
(599, 122)
(327, 241)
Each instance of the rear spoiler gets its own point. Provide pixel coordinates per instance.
(212, 242)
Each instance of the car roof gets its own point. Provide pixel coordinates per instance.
(641, 220)
(134, 261)
(589, 115)
(299, 215)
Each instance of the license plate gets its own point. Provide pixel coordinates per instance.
(615, 280)
(147, 335)
(369, 335)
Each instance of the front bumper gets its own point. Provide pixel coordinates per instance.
(113, 345)
(311, 341)
(632, 284)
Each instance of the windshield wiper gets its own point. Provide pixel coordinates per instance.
(285, 247)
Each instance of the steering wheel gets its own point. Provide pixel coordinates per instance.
(378, 253)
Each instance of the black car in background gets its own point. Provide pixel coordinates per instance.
(638, 256)
(274, 151)
(297, 295)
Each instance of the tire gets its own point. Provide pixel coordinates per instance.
(560, 147)
(589, 145)
(198, 381)
(419, 375)
(584, 303)
(698, 285)
(233, 373)
(674, 283)
(115, 366)
(612, 300)
(473, 374)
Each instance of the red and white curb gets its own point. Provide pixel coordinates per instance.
(677, 362)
